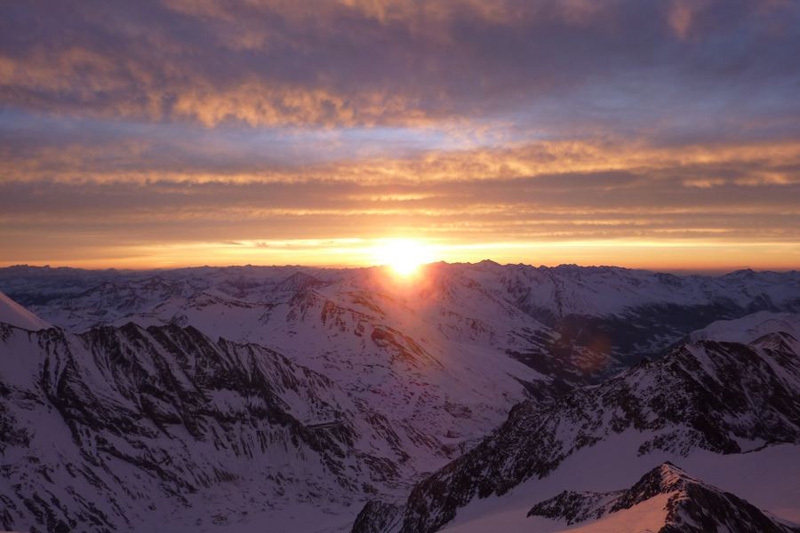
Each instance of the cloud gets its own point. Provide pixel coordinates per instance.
(175, 123)
(405, 62)
(545, 191)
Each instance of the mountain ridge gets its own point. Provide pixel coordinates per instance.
(692, 505)
(397, 378)
(703, 395)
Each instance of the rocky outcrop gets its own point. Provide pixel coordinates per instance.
(103, 428)
(722, 397)
(692, 506)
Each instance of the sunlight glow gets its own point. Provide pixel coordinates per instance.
(692, 255)
(403, 256)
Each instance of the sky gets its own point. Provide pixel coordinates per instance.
(161, 133)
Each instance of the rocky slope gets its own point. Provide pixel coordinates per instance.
(718, 396)
(688, 506)
(114, 427)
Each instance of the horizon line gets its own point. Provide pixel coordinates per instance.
(677, 271)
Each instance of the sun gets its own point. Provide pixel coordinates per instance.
(403, 256)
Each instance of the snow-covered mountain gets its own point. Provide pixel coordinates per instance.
(726, 398)
(117, 426)
(122, 426)
(576, 322)
(666, 500)
(749, 328)
(14, 314)
(227, 395)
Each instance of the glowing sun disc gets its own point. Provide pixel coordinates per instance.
(403, 256)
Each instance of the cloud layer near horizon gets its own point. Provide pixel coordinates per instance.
(189, 123)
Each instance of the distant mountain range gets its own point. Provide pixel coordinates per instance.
(216, 399)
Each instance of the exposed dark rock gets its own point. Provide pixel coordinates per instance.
(377, 517)
(700, 395)
(692, 507)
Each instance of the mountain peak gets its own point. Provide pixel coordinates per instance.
(663, 479)
(298, 281)
(14, 314)
(690, 506)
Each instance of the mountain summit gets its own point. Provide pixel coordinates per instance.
(14, 314)
(664, 500)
